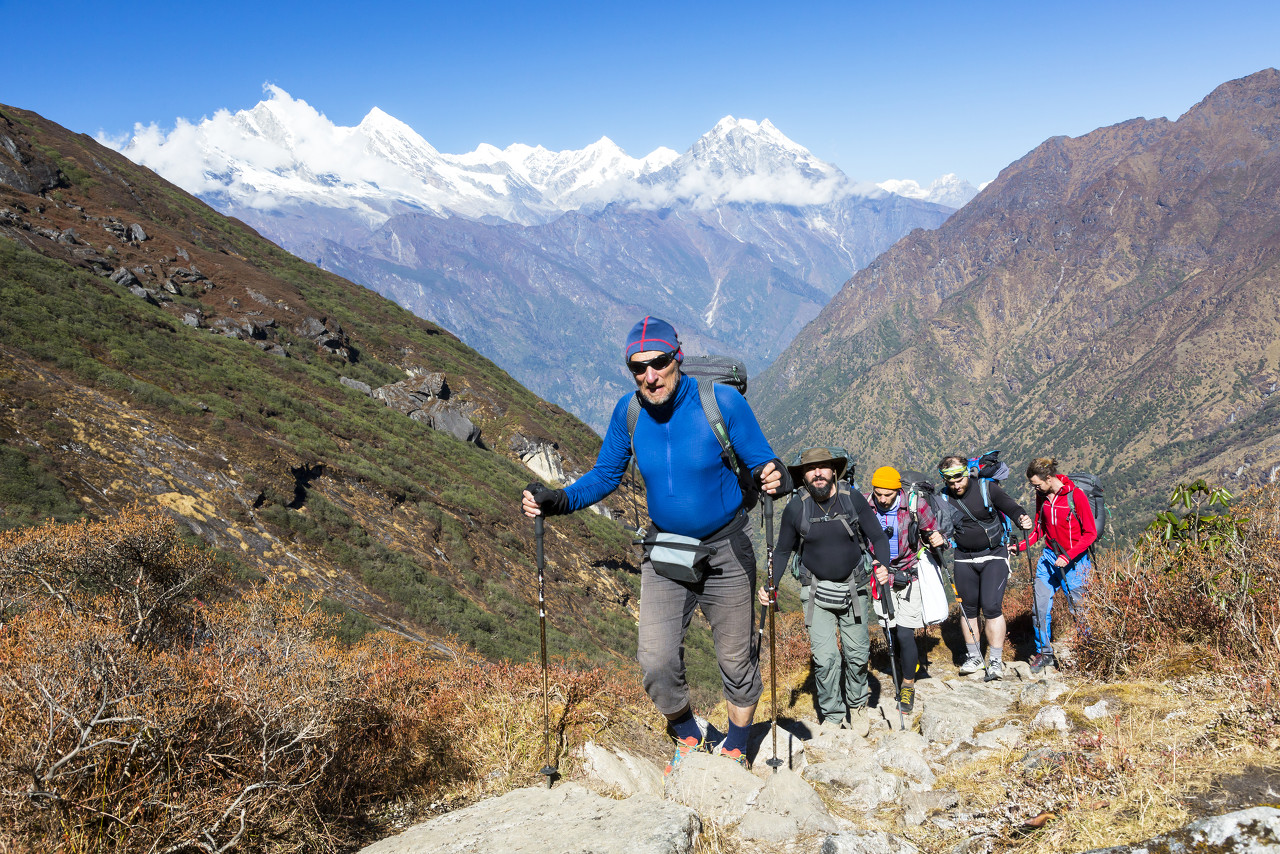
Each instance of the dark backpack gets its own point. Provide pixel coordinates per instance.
(997, 527)
(1091, 486)
(989, 466)
(846, 516)
(987, 469)
(920, 490)
(709, 370)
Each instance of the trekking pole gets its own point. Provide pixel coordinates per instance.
(886, 600)
(774, 762)
(548, 770)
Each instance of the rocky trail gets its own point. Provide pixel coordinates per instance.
(835, 792)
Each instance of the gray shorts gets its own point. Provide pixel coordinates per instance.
(727, 599)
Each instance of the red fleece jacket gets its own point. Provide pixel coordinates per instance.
(1066, 520)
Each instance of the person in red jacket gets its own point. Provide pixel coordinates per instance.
(1065, 521)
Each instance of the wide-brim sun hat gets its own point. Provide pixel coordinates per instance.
(812, 456)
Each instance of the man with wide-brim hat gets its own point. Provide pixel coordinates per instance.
(815, 457)
(826, 523)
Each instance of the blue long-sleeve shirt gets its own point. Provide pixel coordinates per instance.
(690, 490)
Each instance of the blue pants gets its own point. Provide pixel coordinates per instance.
(1050, 578)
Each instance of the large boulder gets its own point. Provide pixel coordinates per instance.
(719, 789)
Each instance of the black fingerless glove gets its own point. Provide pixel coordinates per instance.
(553, 502)
(785, 486)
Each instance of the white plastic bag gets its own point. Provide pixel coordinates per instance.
(933, 595)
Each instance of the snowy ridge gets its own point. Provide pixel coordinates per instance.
(284, 153)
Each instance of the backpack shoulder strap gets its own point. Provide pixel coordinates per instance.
(849, 515)
(633, 415)
(711, 409)
(984, 486)
(805, 521)
(956, 502)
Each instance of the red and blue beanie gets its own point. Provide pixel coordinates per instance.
(651, 333)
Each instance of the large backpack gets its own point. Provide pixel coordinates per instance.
(709, 370)
(920, 490)
(989, 466)
(987, 469)
(997, 527)
(1091, 486)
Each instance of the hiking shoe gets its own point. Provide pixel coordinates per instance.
(972, 664)
(1041, 660)
(684, 746)
(858, 721)
(995, 670)
(738, 756)
(907, 698)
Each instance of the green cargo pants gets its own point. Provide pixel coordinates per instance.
(855, 643)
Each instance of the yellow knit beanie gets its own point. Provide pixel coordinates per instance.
(886, 477)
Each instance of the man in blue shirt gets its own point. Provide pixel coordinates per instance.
(691, 493)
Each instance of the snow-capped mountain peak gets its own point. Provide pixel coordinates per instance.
(283, 152)
(950, 190)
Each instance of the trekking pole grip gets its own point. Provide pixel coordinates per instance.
(768, 522)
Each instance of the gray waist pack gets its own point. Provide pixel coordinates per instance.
(831, 595)
(677, 557)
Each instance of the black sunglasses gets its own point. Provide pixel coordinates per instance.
(658, 363)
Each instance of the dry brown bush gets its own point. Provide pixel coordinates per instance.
(1211, 590)
(135, 718)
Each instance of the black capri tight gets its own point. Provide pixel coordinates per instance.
(908, 655)
(981, 580)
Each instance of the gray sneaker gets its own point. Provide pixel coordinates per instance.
(972, 664)
(995, 670)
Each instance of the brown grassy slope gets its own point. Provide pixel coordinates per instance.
(1111, 299)
(263, 454)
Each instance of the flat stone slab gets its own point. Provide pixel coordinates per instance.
(953, 714)
(785, 808)
(617, 772)
(566, 819)
(862, 785)
(866, 842)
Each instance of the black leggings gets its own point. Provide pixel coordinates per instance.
(908, 656)
(981, 580)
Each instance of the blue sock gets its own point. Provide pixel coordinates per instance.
(736, 739)
(686, 726)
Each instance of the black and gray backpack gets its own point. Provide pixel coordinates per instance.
(709, 370)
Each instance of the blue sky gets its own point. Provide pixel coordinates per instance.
(883, 91)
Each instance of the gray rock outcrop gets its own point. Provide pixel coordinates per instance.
(566, 819)
(1251, 831)
(426, 398)
(866, 842)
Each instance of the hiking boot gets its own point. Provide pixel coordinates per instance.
(1041, 660)
(858, 721)
(995, 670)
(907, 699)
(684, 746)
(972, 664)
